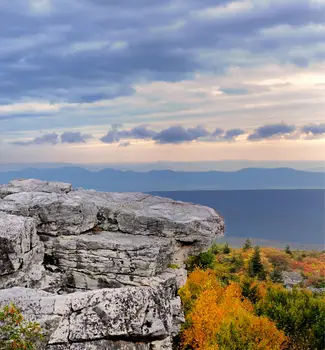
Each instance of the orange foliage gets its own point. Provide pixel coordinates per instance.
(218, 315)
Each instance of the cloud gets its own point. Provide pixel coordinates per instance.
(59, 51)
(52, 139)
(74, 137)
(231, 134)
(179, 134)
(139, 132)
(217, 132)
(314, 129)
(124, 144)
(271, 130)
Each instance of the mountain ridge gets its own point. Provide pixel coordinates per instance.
(109, 179)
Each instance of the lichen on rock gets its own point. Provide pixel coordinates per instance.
(93, 267)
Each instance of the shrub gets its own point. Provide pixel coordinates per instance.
(298, 313)
(15, 332)
(204, 260)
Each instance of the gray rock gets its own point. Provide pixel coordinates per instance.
(98, 262)
(33, 185)
(143, 315)
(291, 278)
(21, 252)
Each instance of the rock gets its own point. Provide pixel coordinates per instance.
(33, 185)
(21, 252)
(95, 265)
(108, 259)
(143, 315)
(291, 278)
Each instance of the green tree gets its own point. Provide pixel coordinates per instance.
(298, 313)
(276, 275)
(256, 268)
(247, 245)
(288, 250)
(226, 249)
(16, 333)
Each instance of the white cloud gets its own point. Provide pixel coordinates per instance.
(40, 6)
(229, 10)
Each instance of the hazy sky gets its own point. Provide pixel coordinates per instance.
(145, 80)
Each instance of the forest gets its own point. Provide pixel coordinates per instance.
(244, 299)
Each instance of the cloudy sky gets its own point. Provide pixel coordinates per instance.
(175, 80)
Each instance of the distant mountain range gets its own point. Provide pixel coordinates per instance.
(167, 180)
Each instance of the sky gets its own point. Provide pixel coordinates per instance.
(101, 81)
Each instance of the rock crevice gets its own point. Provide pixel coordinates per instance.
(93, 267)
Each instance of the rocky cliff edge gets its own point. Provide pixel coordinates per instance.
(94, 268)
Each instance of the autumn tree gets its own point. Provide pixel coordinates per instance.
(219, 317)
(16, 333)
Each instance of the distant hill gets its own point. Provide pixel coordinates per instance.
(167, 180)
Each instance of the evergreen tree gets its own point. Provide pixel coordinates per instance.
(226, 249)
(247, 245)
(256, 268)
(288, 250)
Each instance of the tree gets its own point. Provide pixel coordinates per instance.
(16, 333)
(247, 245)
(256, 268)
(226, 249)
(298, 313)
(220, 318)
(288, 250)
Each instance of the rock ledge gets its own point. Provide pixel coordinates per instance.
(93, 267)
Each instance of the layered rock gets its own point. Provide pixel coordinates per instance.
(114, 247)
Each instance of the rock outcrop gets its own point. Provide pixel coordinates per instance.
(93, 267)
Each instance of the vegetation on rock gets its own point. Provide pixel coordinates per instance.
(15, 332)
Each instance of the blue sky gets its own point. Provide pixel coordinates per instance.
(182, 80)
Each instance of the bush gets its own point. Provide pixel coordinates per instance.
(203, 261)
(16, 333)
(298, 313)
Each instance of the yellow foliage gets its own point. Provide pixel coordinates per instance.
(220, 315)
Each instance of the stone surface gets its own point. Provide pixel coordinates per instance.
(98, 263)
(21, 252)
(142, 315)
(291, 278)
(33, 185)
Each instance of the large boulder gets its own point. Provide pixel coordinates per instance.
(135, 317)
(94, 267)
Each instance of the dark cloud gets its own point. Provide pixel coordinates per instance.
(179, 134)
(314, 129)
(52, 139)
(74, 137)
(231, 134)
(268, 131)
(97, 49)
(217, 132)
(139, 132)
